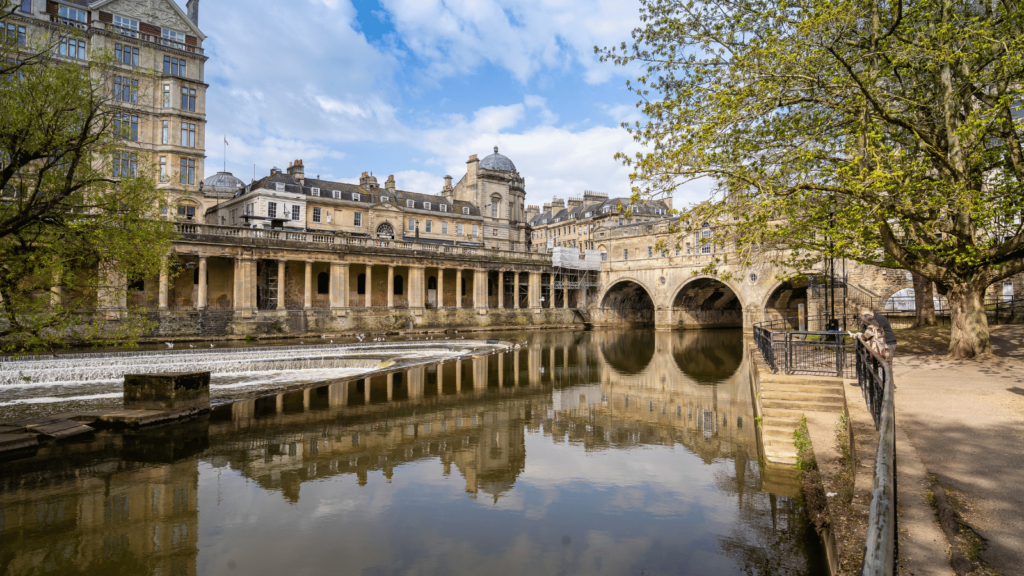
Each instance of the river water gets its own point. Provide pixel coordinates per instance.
(582, 453)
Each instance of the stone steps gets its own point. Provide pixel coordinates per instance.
(800, 406)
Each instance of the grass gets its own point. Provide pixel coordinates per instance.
(929, 340)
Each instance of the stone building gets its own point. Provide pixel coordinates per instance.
(573, 224)
(158, 85)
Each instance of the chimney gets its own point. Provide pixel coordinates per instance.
(557, 204)
(547, 207)
(390, 183)
(447, 191)
(472, 165)
(192, 7)
(532, 211)
(595, 197)
(275, 170)
(574, 202)
(668, 201)
(297, 171)
(368, 181)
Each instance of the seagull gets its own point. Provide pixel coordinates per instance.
(332, 341)
(191, 345)
(301, 342)
(211, 345)
(169, 344)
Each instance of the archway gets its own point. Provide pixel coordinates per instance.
(707, 303)
(784, 302)
(629, 302)
(386, 231)
(629, 352)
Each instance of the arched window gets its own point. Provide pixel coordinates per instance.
(495, 206)
(431, 283)
(323, 283)
(361, 284)
(399, 285)
(385, 231)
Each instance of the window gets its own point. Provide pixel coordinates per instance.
(172, 35)
(625, 253)
(357, 219)
(316, 192)
(426, 205)
(16, 34)
(127, 55)
(163, 168)
(167, 96)
(355, 197)
(126, 89)
(494, 232)
(705, 249)
(125, 164)
(410, 204)
(174, 66)
(458, 229)
(165, 131)
(650, 252)
(494, 209)
(187, 212)
(677, 250)
(187, 175)
(688, 250)
(128, 26)
(295, 212)
(72, 48)
(705, 232)
(428, 225)
(271, 209)
(188, 99)
(444, 227)
(476, 230)
(26, 6)
(444, 207)
(316, 215)
(73, 14)
(412, 223)
(188, 135)
(465, 210)
(384, 198)
(604, 256)
(126, 126)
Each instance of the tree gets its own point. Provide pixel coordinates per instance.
(76, 199)
(886, 132)
(924, 302)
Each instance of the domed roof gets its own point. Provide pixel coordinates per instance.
(222, 182)
(498, 162)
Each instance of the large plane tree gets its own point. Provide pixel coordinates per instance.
(885, 132)
(77, 197)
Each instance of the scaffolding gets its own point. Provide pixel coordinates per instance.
(574, 269)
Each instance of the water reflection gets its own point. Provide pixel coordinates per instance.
(549, 459)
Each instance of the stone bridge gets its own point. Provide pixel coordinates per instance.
(673, 293)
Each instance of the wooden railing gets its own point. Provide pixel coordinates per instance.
(325, 239)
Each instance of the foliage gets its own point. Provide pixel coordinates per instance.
(887, 132)
(72, 236)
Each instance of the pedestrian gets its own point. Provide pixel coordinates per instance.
(870, 317)
(872, 335)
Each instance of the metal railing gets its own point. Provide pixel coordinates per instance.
(815, 350)
(881, 548)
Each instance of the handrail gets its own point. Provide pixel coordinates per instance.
(328, 239)
(881, 548)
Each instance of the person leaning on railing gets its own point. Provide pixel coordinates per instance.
(877, 334)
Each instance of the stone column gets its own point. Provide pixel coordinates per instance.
(440, 380)
(307, 294)
(366, 391)
(337, 286)
(501, 289)
(501, 370)
(458, 287)
(515, 367)
(282, 274)
(458, 376)
(565, 293)
(391, 386)
(417, 288)
(515, 291)
(201, 299)
(164, 281)
(533, 290)
(440, 288)
(369, 287)
(391, 287)
(480, 299)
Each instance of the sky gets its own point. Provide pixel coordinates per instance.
(414, 87)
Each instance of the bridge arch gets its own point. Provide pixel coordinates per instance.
(629, 351)
(628, 300)
(708, 356)
(784, 299)
(707, 302)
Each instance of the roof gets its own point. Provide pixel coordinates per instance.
(498, 162)
(188, 22)
(222, 182)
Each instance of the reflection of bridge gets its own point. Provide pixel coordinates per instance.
(473, 414)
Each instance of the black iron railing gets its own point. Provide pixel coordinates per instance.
(791, 351)
(881, 549)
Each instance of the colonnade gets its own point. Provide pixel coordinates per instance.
(264, 284)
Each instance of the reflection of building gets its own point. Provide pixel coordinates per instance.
(95, 512)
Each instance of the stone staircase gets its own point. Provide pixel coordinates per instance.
(784, 401)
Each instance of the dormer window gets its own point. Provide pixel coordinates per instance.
(172, 35)
(279, 186)
(355, 197)
(426, 205)
(74, 14)
(128, 26)
(316, 191)
(410, 204)
(465, 210)
(384, 198)
(444, 207)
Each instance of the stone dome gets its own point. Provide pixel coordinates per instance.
(222, 182)
(497, 162)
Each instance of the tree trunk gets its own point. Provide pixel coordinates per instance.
(969, 336)
(924, 301)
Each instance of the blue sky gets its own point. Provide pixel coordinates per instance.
(413, 87)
